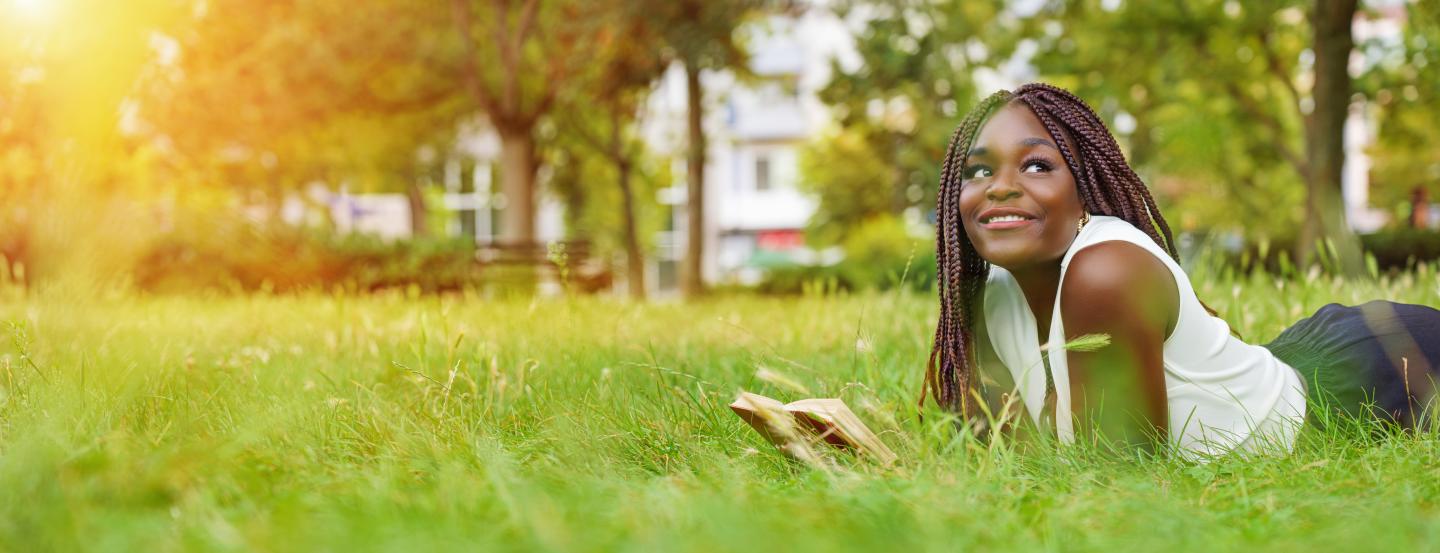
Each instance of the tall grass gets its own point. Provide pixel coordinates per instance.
(335, 422)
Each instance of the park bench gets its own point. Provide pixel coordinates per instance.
(567, 262)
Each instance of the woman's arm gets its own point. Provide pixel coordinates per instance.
(999, 392)
(994, 378)
(1118, 392)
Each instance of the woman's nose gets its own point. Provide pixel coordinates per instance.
(1001, 188)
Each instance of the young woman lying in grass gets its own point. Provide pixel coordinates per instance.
(1045, 234)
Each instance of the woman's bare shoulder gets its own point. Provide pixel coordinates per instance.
(1118, 278)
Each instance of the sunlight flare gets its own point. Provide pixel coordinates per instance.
(33, 9)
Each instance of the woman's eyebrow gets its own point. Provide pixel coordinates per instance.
(1032, 141)
(1037, 141)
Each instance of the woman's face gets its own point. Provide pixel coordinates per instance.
(1018, 200)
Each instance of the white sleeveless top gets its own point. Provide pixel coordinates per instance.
(1224, 394)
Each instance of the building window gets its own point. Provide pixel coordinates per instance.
(468, 227)
(762, 173)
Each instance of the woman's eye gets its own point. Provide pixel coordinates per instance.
(1035, 166)
(975, 171)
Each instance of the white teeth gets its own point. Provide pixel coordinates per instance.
(1005, 218)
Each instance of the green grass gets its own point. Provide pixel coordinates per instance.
(338, 423)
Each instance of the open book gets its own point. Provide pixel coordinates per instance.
(809, 420)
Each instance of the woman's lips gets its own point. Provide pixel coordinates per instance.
(1004, 218)
(1004, 225)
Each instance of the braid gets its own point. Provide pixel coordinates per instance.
(961, 275)
(1105, 182)
(1114, 184)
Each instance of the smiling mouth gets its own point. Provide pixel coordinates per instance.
(1001, 222)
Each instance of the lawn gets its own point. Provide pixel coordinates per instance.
(328, 422)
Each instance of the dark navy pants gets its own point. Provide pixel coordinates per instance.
(1381, 356)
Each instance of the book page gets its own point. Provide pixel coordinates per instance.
(767, 416)
(852, 430)
(827, 419)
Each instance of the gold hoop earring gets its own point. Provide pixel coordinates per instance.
(1084, 219)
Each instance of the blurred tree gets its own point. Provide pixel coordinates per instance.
(67, 70)
(517, 56)
(851, 179)
(600, 114)
(700, 34)
(898, 107)
(1404, 88)
(1230, 91)
(271, 96)
(22, 132)
(1331, 23)
(1191, 134)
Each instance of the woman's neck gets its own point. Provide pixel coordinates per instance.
(1040, 283)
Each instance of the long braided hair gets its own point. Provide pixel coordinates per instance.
(1106, 185)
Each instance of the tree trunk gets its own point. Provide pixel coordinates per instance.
(1325, 143)
(692, 283)
(419, 214)
(517, 182)
(634, 258)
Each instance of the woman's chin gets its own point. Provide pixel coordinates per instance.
(1009, 258)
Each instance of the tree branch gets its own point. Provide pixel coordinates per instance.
(564, 61)
(527, 18)
(1201, 42)
(509, 57)
(579, 129)
(1253, 108)
(1272, 63)
(461, 11)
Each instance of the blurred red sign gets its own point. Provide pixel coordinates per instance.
(779, 240)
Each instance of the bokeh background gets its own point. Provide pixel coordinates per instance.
(661, 148)
(355, 275)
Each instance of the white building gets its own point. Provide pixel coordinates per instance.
(468, 202)
(755, 207)
(1382, 31)
(756, 210)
